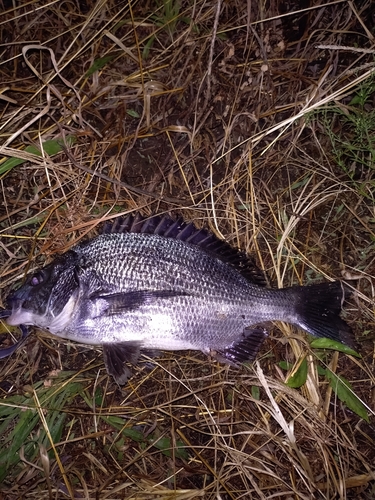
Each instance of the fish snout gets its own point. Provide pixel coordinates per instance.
(13, 319)
(15, 302)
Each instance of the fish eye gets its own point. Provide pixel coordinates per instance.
(37, 279)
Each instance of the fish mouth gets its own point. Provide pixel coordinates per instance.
(16, 314)
(20, 316)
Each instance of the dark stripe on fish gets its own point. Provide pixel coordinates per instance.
(130, 301)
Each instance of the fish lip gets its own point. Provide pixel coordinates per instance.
(12, 319)
(20, 316)
(5, 313)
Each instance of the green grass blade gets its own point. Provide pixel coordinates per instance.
(344, 392)
(164, 444)
(99, 64)
(324, 343)
(51, 147)
(299, 377)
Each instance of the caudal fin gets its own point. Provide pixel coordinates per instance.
(318, 310)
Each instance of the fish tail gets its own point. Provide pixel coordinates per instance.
(318, 310)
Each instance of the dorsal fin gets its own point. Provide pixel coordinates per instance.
(178, 229)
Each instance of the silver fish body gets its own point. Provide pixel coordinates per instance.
(132, 291)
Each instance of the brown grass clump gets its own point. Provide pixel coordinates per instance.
(252, 119)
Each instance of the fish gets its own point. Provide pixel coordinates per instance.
(150, 284)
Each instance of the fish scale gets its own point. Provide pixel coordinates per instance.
(130, 290)
(153, 261)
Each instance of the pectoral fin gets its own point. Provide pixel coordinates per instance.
(129, 301)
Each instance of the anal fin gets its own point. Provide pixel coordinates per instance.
(245, 349)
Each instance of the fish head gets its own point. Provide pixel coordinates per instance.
(47, 295)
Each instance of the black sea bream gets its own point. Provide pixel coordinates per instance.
(163, 284)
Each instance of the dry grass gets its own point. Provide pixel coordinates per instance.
(224, 113)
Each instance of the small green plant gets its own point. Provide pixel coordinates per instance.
(351, 131)
(51, 147)
(167, 15)
(340, 386)
(169, 12)
(164, 444)
(23, 433)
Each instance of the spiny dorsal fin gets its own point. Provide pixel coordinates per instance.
(178, 229)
